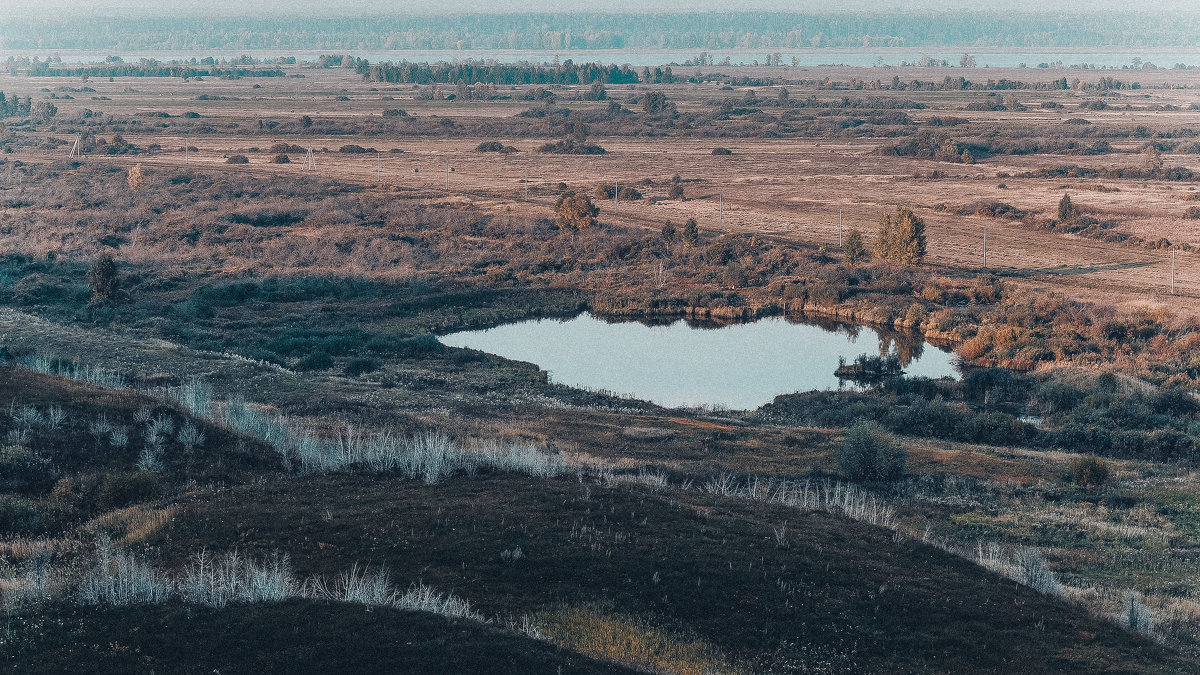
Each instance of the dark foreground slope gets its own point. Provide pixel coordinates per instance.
(771, 588)
(292, 637)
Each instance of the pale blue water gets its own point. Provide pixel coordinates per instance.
(739, 366)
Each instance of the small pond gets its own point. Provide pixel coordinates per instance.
(734, 366)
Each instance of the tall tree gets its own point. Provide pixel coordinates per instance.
(901, 237)
(853, 249)
(1066, 209)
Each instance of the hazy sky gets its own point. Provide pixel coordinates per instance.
(217, 8)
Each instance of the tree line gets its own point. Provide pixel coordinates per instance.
(567, 72)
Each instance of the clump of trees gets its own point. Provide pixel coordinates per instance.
(575, 211)
(607, 190)
(870, 453)
(495, 146)
(657, 103)
(570, 146)
(901, 237)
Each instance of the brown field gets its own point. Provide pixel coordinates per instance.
(796, 188)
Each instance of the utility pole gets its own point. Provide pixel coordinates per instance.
(526, 182)
(447, 175)
(616, 199)
(841, 230)
(310, 161)
(1172, 271)
(985, 246)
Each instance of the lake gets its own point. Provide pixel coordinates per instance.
(739, 366)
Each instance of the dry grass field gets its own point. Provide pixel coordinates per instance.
(792, 187)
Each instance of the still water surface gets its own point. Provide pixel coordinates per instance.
(740, 366)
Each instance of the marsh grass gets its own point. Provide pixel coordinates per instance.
(630, 641)
(131, 525)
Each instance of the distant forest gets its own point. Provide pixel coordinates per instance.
(700, 31)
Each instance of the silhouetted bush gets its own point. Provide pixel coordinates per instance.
(123, 489)
(315, 361)
(871, 453)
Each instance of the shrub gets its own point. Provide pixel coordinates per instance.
(1192, 213)
(23, 469)
(359, 366)
(575, 211)
(490, 146)
(1031, 570)
(315, 361)
(1089, 471)
(123, 489)
(668, 232)
(722, 151)
(691, 233)
(676, 191)
(718, 254)
(103, 281)
(281, 159)
(394, 112)
(1066, 209)
(238, 159)
(870, 453)
(353, 149)
(19, 515)
(570, 147)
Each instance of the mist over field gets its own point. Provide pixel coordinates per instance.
(575, 25)
(284, 9)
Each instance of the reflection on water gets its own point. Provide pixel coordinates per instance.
(681, 363)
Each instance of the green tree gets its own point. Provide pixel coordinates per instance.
(657, 103)
(1066, 209)
(854, 250)
(668, 232)
(901, 237)
(676, 191)
(691, 233)
(871, 453)
(575, 211)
